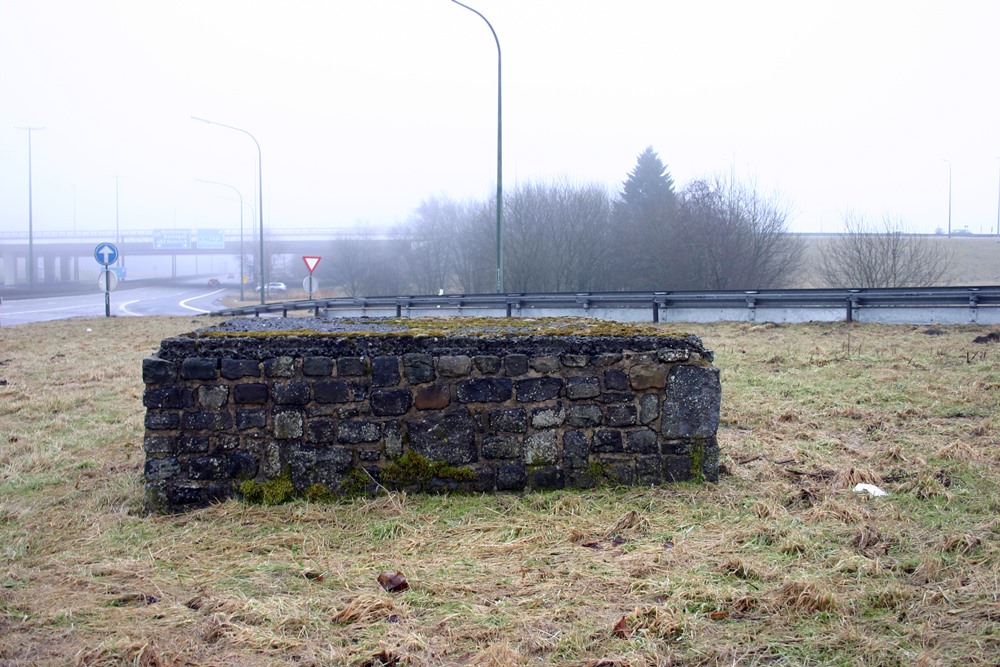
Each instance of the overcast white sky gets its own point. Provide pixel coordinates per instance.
(363, 108)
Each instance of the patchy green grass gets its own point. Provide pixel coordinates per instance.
(778, 563)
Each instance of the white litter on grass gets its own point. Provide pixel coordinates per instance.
(870, 488)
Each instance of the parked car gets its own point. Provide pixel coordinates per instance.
(275, 287)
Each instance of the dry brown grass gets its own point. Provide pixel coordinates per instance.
(779, 563)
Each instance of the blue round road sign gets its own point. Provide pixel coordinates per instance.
(106, 254)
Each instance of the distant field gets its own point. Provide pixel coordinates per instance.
(977, 259)
(777, 564)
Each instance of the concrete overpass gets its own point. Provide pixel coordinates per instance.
(61, 257)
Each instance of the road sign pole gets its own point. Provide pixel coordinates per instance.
(107, 292)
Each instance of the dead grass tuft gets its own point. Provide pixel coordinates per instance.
(963, 544)
(803, 596)
(365, 609)
(650, 623)
(847, 478)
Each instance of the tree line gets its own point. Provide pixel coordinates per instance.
(714, 233)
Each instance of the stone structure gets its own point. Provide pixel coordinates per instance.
(345, 406)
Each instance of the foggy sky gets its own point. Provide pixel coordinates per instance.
(363, 108)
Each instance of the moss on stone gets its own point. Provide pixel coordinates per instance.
(697, 460)
(412, 468)
(319, 493)
(272, 492)
(477, 327)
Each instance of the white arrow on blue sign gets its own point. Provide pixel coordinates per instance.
(106, 254)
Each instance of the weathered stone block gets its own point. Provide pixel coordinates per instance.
(190, 443)
(350, 366)
(672, 356)
(391, 402)
(288, 424)
(196, 368)
(234, 369)
(250, 393)
(434, 397)
(339, 391)
(450, 437)
(454, 366)
(641, 442)
(582, 387)
(317, 366)
(164, 468)
(648, 376)
(540, 448)
(158, 371)
(159, 444)
(606, 440)
(321, 431)
(242, 465)
(548, 417)
(487, 364)
(583, 415)
(546, 477)
(515, 364)
(574, 360)
(620, 414)
(536, 390)
(502, 447)
(295, 392)
(511, 420)
(167, 397)
(691, 405)
(279, 367)
(207, 421)
(353, 431)
(511, 476)
(162, 419)
(251, 418)
(213, 396)
(207, 467)
(418, 368)
(544, 365)
(484, 390)
(649, 408)
(615, 379)
(576, 449)
(385, 371)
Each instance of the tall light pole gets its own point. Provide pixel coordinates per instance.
(998, 206)
(260, 201)
(118, 234)
(949, 195)
(31, 233)
(240, 195)
(499, 151)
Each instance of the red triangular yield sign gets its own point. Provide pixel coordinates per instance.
(311, 262)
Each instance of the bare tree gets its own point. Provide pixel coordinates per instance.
(882, 254)
(732, 236)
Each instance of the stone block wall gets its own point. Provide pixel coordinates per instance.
(347, 412)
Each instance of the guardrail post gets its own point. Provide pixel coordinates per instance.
(973, 308)
(751, 309)
(656, 312)
(852, 302)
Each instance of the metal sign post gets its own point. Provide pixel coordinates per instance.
(308, 283)
(106, 254)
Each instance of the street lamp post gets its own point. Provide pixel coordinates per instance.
(240, 195)
(949, 195)
(499, 150)
(260, 201)
(998, 206)
(31, 233)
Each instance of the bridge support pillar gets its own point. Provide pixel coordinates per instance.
(9, 268)
(48, 269)
(64, 264)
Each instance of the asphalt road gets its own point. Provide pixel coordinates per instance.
(125, 301)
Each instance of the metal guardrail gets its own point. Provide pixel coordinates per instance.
(850, 300)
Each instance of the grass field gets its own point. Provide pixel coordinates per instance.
(780, 563)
